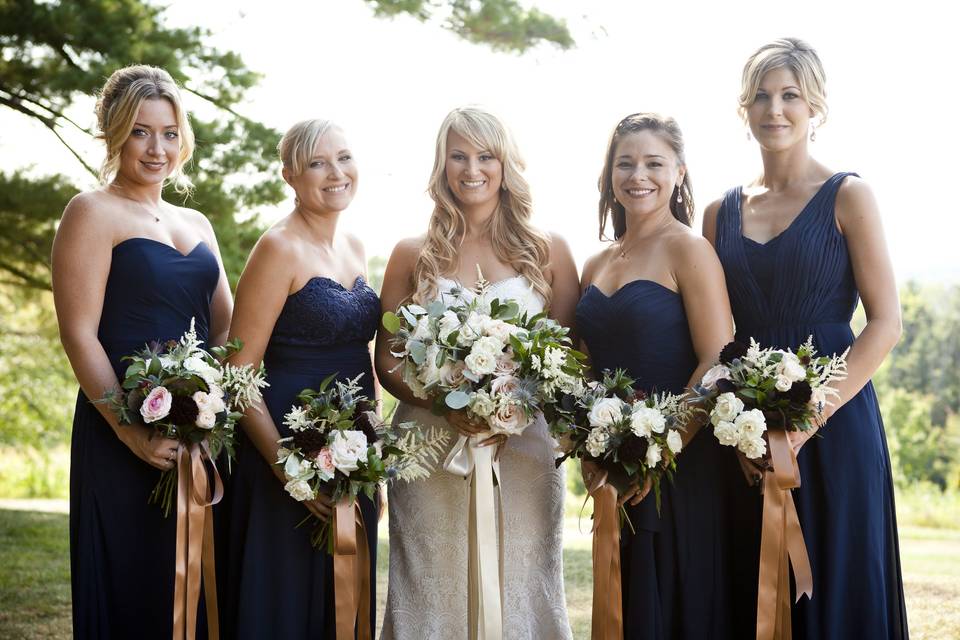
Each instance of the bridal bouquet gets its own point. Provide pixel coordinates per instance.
(186, 393)
(485, 356)
(629, 434)
(341, 448)
(753, 390)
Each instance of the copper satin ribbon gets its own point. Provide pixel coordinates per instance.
(351, 571)
(195, 542)
(607, 617)
(469, 460)
(781, 544)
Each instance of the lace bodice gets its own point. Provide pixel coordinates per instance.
(325, 313)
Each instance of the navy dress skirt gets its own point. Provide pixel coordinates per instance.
(122, 550)
(799, 284)
(276, 584)
(675, 571)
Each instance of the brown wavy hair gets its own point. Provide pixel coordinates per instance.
(515, 241)
(668, 129)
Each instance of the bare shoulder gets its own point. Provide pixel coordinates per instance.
(355, 244)
(195, 219)
(689, 247)
(88, 213)
(711, 211)
(407, 251)
(855, 201)
(594, 263)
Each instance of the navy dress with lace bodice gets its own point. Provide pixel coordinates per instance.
(122, 550)
(801, 284)
(276, 584)
(673, 564)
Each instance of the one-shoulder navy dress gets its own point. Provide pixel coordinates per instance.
(799, 284)
(122, 550)
(674, 568)
(276, 584)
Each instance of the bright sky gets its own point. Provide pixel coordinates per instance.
(891, 89)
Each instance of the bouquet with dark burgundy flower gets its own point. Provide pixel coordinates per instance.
(629, 434)
(753, 390)
(189, 394)
(341, 447)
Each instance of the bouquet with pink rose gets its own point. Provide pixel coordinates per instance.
(187, 393)
(341, 448)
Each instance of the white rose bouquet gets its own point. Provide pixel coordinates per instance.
(484, 356)
(341, 448)
(186, 393)
(629, 434)
(753, 390)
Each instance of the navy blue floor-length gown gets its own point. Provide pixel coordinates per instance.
(798, 284)
(674, 569)
(122, 550)
(276, 584)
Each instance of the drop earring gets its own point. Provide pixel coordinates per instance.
(679, 195)
(813, 132)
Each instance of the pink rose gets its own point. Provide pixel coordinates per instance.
(509, 418)
(506, 365)
(324, 463)
(504, 386)
(451, 373)
(156, 405)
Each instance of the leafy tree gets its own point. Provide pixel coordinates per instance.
(504, 25)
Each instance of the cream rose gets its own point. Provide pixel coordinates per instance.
(509, 418)
(597, 442)
(727, 407)
(674, 441)
(300, 490)
(726, 433)
(653, 455)
(449, 323)
(347, 449)
(790, 368)
(605, 412)
(646, 420)
(783, 383)
(751, 424)
(206, 420)
(753, 448)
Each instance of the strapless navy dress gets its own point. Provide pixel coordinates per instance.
(122, 550)
(674, 568)
(799, 284)
(276, 584)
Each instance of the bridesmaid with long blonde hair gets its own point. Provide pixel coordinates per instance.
(481, 219)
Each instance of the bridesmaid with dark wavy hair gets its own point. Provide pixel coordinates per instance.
(800, 243)
(129, 269)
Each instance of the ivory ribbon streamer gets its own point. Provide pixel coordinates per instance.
(351, 572)
(195, 542)
(781, 544)
(607, 618)
(469, 460)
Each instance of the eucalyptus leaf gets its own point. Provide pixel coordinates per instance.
(391, 322)
(457, 399)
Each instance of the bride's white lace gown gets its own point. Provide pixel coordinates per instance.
(427, 595)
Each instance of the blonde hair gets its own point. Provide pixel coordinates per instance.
(515, 241)
(669, 131)
(797, 56)
(298, 144)
(119, 104)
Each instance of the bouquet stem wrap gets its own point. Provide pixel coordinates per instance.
(781, 544)
(607, 618)
(351, 571)
(195, 541)
(469, 460)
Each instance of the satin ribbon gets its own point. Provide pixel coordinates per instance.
(351, 571)
(781, 544)
(607, 617)
(195, 542)
(485, 611)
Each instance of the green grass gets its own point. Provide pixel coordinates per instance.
(35, 576)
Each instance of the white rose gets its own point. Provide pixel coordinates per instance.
(605, 412)
(422, 331)
(429, 371)
(753, 448)
(488, 344)
(209, 402)
(727, 433)
(751, 424)
(727, 407)
(645, 420)
(451, 373)
(473, 326)
(206, 419)
(783, 383)
(481, 362)
(653, 455)
(597, 441)
(718, 372)
(449, 323)
(790, 368)
(347, 448)
(498, 329)
(509, 418)
(300, 490)
(674, 441)
(482, 404)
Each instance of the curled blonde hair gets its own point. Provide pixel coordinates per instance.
(515, 241)
(669, 131)
(797, 56)
(299, 142)
(117, 107)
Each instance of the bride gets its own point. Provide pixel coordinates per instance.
(481, 219)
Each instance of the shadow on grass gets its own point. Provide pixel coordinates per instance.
(34, 575)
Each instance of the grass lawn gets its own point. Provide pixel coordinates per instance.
(35, 577)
